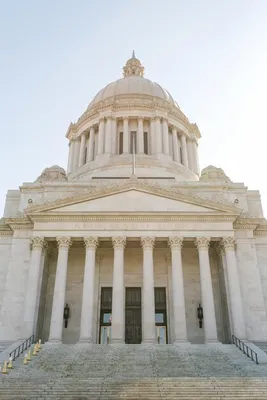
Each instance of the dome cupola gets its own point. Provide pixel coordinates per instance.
(133, 67)
(133, 116)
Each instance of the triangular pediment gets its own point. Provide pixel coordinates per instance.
(133, 201)
(133, 197)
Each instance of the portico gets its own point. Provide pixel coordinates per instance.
(150, 248)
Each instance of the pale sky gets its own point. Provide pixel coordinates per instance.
(211, 55)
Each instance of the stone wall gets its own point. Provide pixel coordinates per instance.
(133, 277)
(12, 311)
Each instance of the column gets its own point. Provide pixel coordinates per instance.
(108, 135)
(158, 135)
(91, 144)
(87, 313)
(195, 156)
(118, 298)
(221, 253)
(235, 300)
(140, 136)
(33, 285)
(165, 132)
(179, 317)
(184, 151)
(148, 295)
(45, 251)
(176, 154)
(56, 323)
(125, 135)
(70, 157)
(210, 327)
(82, 150)
(152, 135)
(190, 155)
(101, 136)
(114, 136)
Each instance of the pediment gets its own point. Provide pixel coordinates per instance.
(133, 198)
(133, 201)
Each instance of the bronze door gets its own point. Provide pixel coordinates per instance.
(133, 319)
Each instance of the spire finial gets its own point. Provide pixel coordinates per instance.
(133, 55)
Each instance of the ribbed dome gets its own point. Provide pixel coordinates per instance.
(133, 85)
(133, 82)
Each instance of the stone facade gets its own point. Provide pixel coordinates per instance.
(133, 211)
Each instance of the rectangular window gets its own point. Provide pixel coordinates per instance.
(120, 142)
(133, 140)
(145, 142)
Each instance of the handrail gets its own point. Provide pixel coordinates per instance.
(21, 348)
(246, 349)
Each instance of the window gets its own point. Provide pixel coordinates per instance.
(181, 155)
(120, 142)
(133, 139)
(145, 142)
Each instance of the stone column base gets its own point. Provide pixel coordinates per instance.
(117, 341)
(149, 341)
(85, 341)
(54, 341)
(182, 342)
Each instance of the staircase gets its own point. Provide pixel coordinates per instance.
(81, 372)
(262, 346)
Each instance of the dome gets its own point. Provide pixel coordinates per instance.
(212, 173)
(54, 173)
(133, 82)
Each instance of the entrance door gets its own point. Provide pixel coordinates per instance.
(105, 316)
(133, 321)
(161, 315)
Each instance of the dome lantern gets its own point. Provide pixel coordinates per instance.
(133, 67)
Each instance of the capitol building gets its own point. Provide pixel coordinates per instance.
(133, 243)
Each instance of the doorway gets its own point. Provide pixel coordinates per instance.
(133, 317)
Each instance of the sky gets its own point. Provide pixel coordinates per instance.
(210, 55)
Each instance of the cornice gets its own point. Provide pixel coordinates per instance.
(133, 184)
(128, 102)
(114, 217)
(18, 223)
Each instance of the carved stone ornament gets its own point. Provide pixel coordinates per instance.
(147, 242)
(228, 242)
(90, 242)
(202, 242)
(64, 242)
(37, 242)
(119, 242)
(175, 242)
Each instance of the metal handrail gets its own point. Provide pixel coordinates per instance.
(21, 348)
(246, 349)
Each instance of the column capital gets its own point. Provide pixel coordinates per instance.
(175, 242)
(125, 118)
(165, 119)
(228, 243)
(92, 129)
(64, 242)
(202, 242)
(90, 242)
(174, 129)
(37, 242)
(147, 242)
(140, 118)
(118, 242)
(101, 119)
